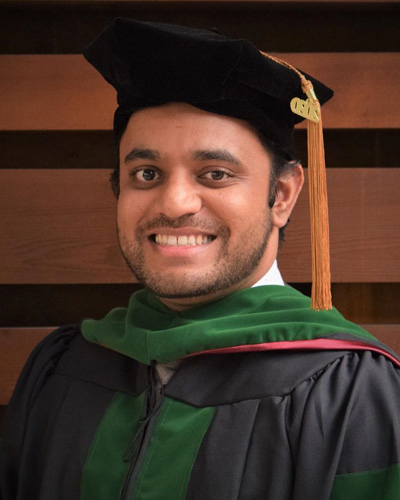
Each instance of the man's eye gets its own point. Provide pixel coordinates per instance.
(216, 175)
(146, 174)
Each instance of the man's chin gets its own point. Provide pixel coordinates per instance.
(192, 286)
(168, 292)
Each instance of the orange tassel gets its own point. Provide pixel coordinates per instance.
(321, 298)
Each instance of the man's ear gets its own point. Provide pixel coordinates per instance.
(287, 190)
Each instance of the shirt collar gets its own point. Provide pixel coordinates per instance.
(273, 277)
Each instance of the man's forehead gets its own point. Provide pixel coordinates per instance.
(183, 126)
(200, 132)
(174, 111)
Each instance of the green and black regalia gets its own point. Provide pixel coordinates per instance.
(271, 401)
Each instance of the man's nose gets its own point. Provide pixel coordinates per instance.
(180, 197)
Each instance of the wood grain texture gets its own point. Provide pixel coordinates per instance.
(17, 343)
(59, 227)
(364, 210)
(388, 334)
(15, 347)
(63, 92)
(371, 303)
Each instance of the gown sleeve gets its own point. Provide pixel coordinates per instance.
(40, 365)
(344, 428)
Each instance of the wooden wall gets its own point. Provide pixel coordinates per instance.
(58, 248)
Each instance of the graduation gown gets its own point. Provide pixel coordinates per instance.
(287, 412)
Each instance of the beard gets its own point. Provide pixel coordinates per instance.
(232, 264)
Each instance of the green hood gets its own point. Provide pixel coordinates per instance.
(148, 331)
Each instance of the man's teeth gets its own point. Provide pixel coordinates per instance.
(181, 241)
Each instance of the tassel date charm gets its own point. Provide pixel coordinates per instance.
(306, 109)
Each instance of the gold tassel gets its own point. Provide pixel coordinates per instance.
(321, 298)
(310, 109)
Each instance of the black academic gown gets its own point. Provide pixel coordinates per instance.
(303, 425)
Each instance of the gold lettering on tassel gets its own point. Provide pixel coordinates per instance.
(305, 109)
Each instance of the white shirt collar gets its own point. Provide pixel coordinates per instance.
(273, 277)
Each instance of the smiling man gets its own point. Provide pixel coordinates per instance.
(194, 218)
(217, 381)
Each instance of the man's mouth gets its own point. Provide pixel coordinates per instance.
(182, 240)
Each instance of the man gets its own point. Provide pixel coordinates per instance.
(217, 381)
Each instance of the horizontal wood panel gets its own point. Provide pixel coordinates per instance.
(63, 92)
(46, 305)
(65, 28)
(59, 227)
(17, 343)
(364, 210)
(358, 148)
(367, 303)
(15, 347)
(388, 334)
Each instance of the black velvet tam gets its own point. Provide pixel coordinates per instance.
(150, 64)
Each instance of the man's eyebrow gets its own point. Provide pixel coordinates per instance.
(216, 154)
(142, 154)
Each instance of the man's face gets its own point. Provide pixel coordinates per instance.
(193, 216)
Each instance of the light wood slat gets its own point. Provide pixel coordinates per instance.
(364, 214)
(17, 343)
(58, 226)
(356, 103)
(63, 92)
(53, 92)
(15, 347)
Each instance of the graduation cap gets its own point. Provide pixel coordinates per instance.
(150, 64)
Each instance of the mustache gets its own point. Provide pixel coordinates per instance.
(192, 221)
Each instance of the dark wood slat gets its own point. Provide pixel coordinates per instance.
(367, 303)
(64, 28)
(388, 334)
(47, 305)
(59, 227)
(63, 92)
(359, 148)
(17, 343)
